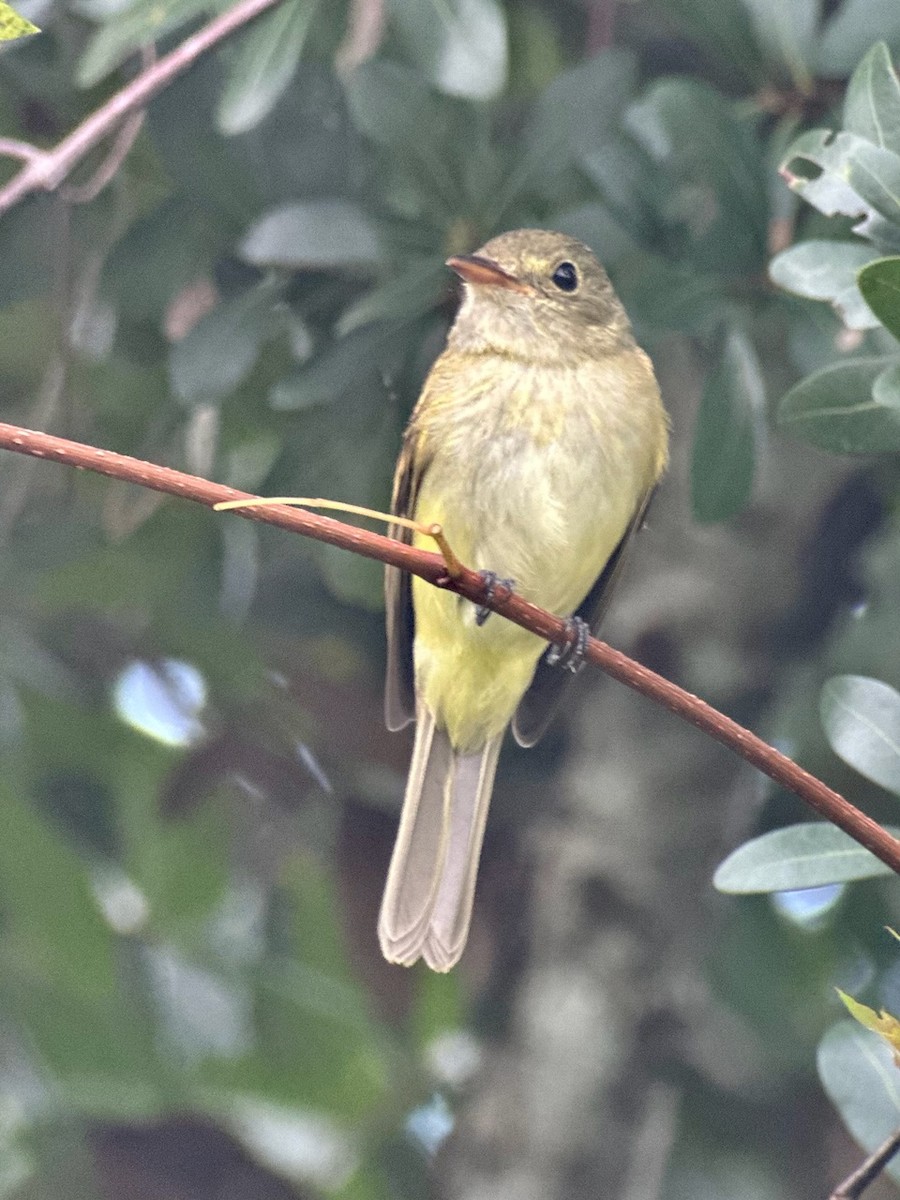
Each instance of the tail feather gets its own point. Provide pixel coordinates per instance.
(430, 887)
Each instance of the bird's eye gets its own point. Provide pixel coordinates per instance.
(565, 277)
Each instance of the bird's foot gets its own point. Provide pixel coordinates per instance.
(482, 612)
(571, 656)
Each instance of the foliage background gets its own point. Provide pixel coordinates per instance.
(197, 794)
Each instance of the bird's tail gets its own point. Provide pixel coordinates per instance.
(430, 886)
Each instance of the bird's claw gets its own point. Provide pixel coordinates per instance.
(482, 612)
(571, 656)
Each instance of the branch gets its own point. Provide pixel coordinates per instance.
(854, 1185)
(44, 170)
(431, 567)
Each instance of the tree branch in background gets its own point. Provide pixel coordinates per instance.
(854, 1185)
(471, 585)
(44, 170)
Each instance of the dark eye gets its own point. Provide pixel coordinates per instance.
(565, 277)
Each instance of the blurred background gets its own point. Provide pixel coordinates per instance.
(198, 796)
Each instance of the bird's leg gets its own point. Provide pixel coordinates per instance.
(482, 612)
(573, 655)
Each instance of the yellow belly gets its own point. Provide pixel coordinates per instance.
(544, 511)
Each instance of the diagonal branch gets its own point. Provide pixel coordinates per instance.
(854, 1185)
(44, 170)
(472, 586)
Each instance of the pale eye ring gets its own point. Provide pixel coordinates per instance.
(565, 276)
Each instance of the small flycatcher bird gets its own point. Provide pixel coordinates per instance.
(536, 444)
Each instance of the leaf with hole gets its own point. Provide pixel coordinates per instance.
(824, 270)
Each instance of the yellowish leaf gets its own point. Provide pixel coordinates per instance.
(883, 1023)
(12, 25)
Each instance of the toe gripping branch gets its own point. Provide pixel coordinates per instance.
(482, 612)
(573, 655)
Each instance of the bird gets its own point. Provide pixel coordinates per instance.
(536, 444)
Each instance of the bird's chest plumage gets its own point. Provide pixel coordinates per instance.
(534, 475)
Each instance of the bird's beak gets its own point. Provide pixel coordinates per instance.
(472, 268)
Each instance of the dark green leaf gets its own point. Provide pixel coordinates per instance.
(861, 718)
(144, 22)
(211, 360)
(263, 64)
(728, 426)
(160, 253)
(316, 234)
(724, 29)
(50, 918)
(579, 109)
(786, 32)
(822, 270)
(850, 32)
(858, 1072)
(715, 188)
(211, 171)
(879, 283)
(799, 856)
(835, 408)
(668, 295)
(872, 104)
(25, 250)
(98, 1050)
(354, 362)
(405, 297)
(594, 224)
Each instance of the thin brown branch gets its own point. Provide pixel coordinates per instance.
(471, 585)
(13, 148)
(44, 170)
(854, 1185)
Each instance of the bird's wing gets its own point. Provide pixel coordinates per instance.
(399, 689)
(538, 706)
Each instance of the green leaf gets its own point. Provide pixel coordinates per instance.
(836, 409)
(460, 45)
(728, 426)
(12, 25)
(849, 176)
(799, 856)
(575, 115)
(858, 1073)
(50, 918)
(725, 29)
(144, 22)
(716, 183)
(406, 296)
(158, 255)
(850, 32)
(263, 64)
(872, 103)
(824, 270)
(98, 1050)
(317, 234)
(211, 360)
(25, 250)
(347, 365)
(786, 33)
(879, 284)
(669, 295)
(861, 718)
